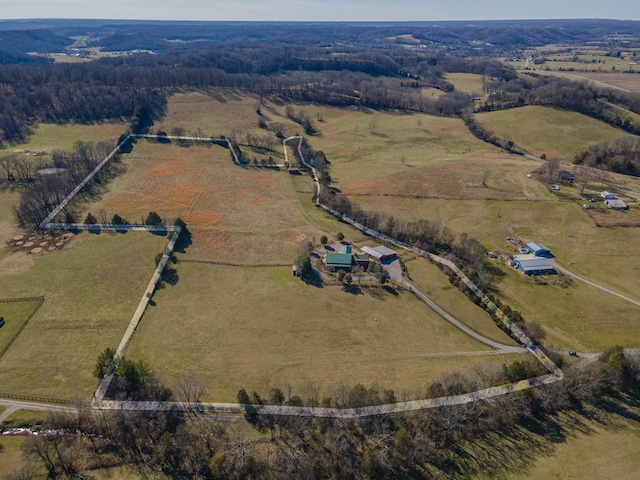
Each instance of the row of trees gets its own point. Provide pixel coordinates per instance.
(621, 155)
(46, 192)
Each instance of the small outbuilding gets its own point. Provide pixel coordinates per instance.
(362, 260)
(608, 195)
(381, 253)
(532, 265)
(538, 250)
(566, 176)
(616, 204)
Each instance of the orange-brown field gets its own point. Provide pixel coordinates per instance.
(626, 81)
(235, 214)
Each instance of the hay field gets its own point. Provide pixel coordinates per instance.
(92, 288)
(626, 81)
(243, 215)
(470, 83)
(260, 327)
(547, 130)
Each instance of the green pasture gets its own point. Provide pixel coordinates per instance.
(259, 328)
(92, 288)
(557, 133)
(14, 314)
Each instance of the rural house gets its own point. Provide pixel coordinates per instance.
(339, 261)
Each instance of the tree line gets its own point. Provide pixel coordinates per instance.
(416, 445)
(621, 155)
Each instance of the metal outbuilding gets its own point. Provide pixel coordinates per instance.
(532, 265)
(538, 250)
(380, 252)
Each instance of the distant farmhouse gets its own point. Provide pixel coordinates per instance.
(566, 176)
(613, 202)
(538, 250)
(532, 265)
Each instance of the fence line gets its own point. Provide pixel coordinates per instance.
(31, 398)
(232, 264)
(24, 324)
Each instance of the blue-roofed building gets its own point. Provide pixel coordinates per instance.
(538, 250)
(532, 265)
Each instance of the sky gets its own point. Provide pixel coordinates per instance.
(321, 10)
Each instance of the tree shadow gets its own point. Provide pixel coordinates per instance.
(390, 290)
(184, 240)
(353, 289)
(314, 280)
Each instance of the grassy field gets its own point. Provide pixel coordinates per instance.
(242, 215)
(626, 81)
(15, 314)
(556, 133)
(48, 137)
(470, 83)
(92, 288)
(247, 337)
(399, 143)
(593, 444)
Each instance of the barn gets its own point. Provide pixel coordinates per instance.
(532, 265)
(381, 253)
(538, 250)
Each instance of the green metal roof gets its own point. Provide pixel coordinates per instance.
(338, 259)
(346, 249)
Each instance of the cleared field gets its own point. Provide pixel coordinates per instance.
(482, 179)
(556, 133)
(470, 83)
(15, 314)
(91, 288)
(363, 145)
(48, 137)
(242, 215)
(259, 327)
(10, 455)
(607, 256)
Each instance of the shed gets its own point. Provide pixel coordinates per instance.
(380, 252)
(532, 265)
(346, 249)
(538, 250)
(616, 204)
(338, 261)
(566, 176)
(362, 259)
(608, 195)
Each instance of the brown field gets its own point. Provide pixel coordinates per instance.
(245, 215)
(470, 83)
(259, 327)
(625, 81)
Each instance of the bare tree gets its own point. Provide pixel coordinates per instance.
(553, 165)
(373, 123)
(191, 388)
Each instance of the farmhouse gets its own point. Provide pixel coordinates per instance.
(538, 250)
(532, 265)
(381, 253)
(616, 204)
(339, 261)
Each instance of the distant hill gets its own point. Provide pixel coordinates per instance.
(16, 58)
(41, 41)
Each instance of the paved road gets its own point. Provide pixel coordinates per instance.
(589, 282)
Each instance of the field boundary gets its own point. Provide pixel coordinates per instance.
(40, 301)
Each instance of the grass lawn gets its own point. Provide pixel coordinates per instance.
(11, 455)
(557, 133)
(269, 329)
(15, 314)
(434, 283)
(92, 288)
